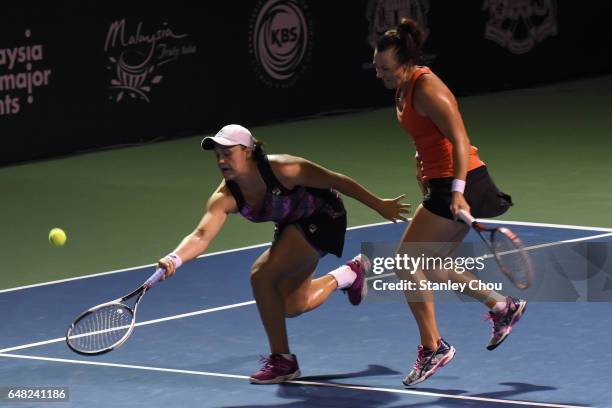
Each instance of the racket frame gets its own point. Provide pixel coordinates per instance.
(153, 279)
(519, 247)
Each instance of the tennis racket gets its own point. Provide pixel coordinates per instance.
(508, 250)
(107, 326)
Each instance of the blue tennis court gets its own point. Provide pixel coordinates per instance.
(199, 337)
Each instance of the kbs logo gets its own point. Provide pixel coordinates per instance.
(280, 38)
(284, 35)
(518, 25)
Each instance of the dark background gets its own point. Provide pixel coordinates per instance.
(222, 83)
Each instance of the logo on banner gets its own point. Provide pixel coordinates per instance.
(280, 37)
(138, 59)
(21, 75)
(383, 15)
(518, 25)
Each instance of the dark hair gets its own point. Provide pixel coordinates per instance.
(407, 39)
(258, 150)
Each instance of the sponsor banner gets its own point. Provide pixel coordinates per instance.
(23, 73)
(385, 14)
(519, 26)
(136, 57)
(281, 41)
(131, 74)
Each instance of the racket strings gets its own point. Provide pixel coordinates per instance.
(512, 258)
(101, 329)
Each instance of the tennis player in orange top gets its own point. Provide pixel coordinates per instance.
(452, 177)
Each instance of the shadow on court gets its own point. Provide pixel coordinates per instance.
(371, 371)
(309, 397)
(516, 390)
(213, 352)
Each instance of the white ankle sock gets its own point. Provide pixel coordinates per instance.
(288, 357)
(499, 299)
(499, 306)
(344, 275)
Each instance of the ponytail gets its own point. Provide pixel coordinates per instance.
(407, 39)
(258, 150)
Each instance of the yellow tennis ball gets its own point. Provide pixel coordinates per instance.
(57, 237)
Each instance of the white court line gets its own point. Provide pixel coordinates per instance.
(568, 241)
(523, 223)
(554, 243)
(123, 270)
(227, 251)
(199, 312)
(145, 323)
(540, 224)
(204, 311)
(252, 302)
(299, 382)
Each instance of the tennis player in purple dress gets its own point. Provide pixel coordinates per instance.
(303, 200)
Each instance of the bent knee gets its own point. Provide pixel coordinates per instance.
(290, 314)
(295, 305)
(261, 276)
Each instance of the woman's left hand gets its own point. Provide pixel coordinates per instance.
(458, 203)
(393, 209)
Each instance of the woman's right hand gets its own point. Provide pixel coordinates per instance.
(168, 264)
(394, 210)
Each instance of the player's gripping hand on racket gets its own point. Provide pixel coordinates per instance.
(458, 203)
(170, 263)
(107, 326)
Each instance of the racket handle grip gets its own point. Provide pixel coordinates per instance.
(466, 217)
(153, 279)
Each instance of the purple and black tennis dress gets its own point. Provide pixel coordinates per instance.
(319, 213)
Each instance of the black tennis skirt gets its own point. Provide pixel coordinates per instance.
(325, 229)
(481, 193)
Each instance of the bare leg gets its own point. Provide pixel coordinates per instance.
(432, 228)
(309, 295)
(428, 227)
(285, 270)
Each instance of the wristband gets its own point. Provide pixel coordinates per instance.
(175, 259)
(458, 186)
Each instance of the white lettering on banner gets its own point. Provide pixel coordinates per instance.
(19, 76)
(135, 58)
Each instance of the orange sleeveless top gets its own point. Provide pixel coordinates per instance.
(434, 150)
